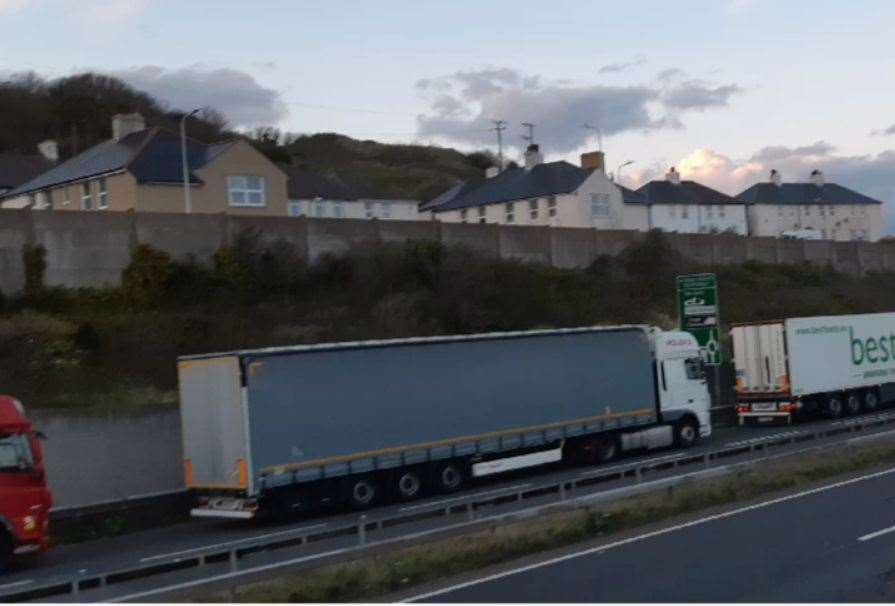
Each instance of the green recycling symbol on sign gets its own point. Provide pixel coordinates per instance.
(697, 299)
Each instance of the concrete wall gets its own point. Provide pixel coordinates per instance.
(91, 249)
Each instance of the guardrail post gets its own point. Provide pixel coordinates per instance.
(75, 587)
(562, 491)
(362, 530)
(638, 475)
(470, 512)
(233, 562)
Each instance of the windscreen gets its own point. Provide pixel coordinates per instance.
(15, 453)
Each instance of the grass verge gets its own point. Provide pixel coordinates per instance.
(371, 577)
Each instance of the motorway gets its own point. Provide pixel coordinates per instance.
(832, 544)
(184, 540)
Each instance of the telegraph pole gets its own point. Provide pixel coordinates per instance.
(499, 127)
(531, 132)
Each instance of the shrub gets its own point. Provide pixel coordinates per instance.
(35, 261)
(145, 280)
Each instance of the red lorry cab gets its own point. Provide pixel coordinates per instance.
(24, 498)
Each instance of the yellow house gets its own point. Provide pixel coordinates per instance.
(140, 169)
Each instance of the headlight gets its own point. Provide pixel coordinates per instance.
(29, 523)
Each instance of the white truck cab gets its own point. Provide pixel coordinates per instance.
(680, 372)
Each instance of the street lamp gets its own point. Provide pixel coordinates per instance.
(187, 202)
(618, 171)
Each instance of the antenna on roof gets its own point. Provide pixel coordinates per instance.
(599, 134)
(499, 127)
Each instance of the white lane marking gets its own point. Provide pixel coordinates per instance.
(17, 584)
(462, 497)
(878, 533)
(236, 542)
(604, 470)
(782, 434)
(649, 535)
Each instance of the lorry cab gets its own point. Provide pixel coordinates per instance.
(680, 378)
(24, 498)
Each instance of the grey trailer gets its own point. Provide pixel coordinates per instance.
(289, 427)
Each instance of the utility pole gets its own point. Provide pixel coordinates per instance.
(599, 134)
(499, 127)
(531, 132)
(187, 201)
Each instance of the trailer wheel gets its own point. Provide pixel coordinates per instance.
(833, 407)
(853, 403)
(449, 477)
(6, 548)
(362, 492)
(686, 432)
(605, 449)
(408, 484)
(871, 400)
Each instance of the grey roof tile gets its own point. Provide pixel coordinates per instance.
(18, 168)
(685, 192)
(803, 193)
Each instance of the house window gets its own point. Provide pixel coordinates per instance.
(832, 210)
(599, 205)
(820, 210)
(533, 209)
(369, 212)
(86, 200)
(807, 210)
(246, 190)
(294, 209)
(551, 206)
(672, 212)
(722, 212)
(823, 234)
(102, 195)
(482, 214)
(319, 208)
(709, 212)
(464, 215)
(338, 210)
(386, 210)
(685, 211)
(779, 211)
(509, 213)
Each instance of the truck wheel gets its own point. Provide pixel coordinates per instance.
(605, 449)
(6, 549)
(853, 403)
(449, 477)
(871, 400)
(408, 484)
(362, 492)
(833, 407)
(686, 433)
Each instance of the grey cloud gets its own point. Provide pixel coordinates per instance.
(559, 109)
(885, 131)
(234, 93)
(669, 75)
(613, 68)
(781, 152)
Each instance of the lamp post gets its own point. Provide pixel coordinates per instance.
(187, 202)
(618, 170)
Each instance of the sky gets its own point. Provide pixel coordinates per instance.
(724, 90)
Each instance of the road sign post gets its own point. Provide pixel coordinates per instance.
(698, 314)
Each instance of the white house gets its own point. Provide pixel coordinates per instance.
(313, 195)
(691, 208)
(830, 210)
(554, 193)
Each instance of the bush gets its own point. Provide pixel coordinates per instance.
(145, 280)
(34, 258)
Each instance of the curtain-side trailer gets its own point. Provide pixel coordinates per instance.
(830, 365)
(286, 429)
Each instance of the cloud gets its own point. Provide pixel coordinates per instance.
(8, 7)
(885, 131)
(462, 106)
(613, 68)
(234, 93)
(871, 175)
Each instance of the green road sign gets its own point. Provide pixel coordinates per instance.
(697, 312)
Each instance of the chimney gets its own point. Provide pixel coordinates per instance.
(125, 124)
(49, 149)
(491, 172)
(533, 156)
(817, 177)
(595, 160)
(776, 179)
(672, 176)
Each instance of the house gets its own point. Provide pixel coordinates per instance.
(18, 168)
(834, 212)
(313, 195)
(140, 169)
(538, 193)
(688, 207)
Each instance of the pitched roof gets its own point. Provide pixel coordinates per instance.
(17, 168)
(803, 193)
(303, 184)
(152, 155)
(629, 196)
(513, 184)
(685, 192)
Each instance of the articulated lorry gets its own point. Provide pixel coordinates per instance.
(24, 498)
(288, 429)
(828, 365)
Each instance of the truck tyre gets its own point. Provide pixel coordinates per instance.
(6, 548)
(686, 433)
(408, 484)
(449, 477)
(833, 407)
(853, 403)
(871, 400)
(362, 492)
(605, 449)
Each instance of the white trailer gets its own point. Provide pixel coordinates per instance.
(832, 365)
